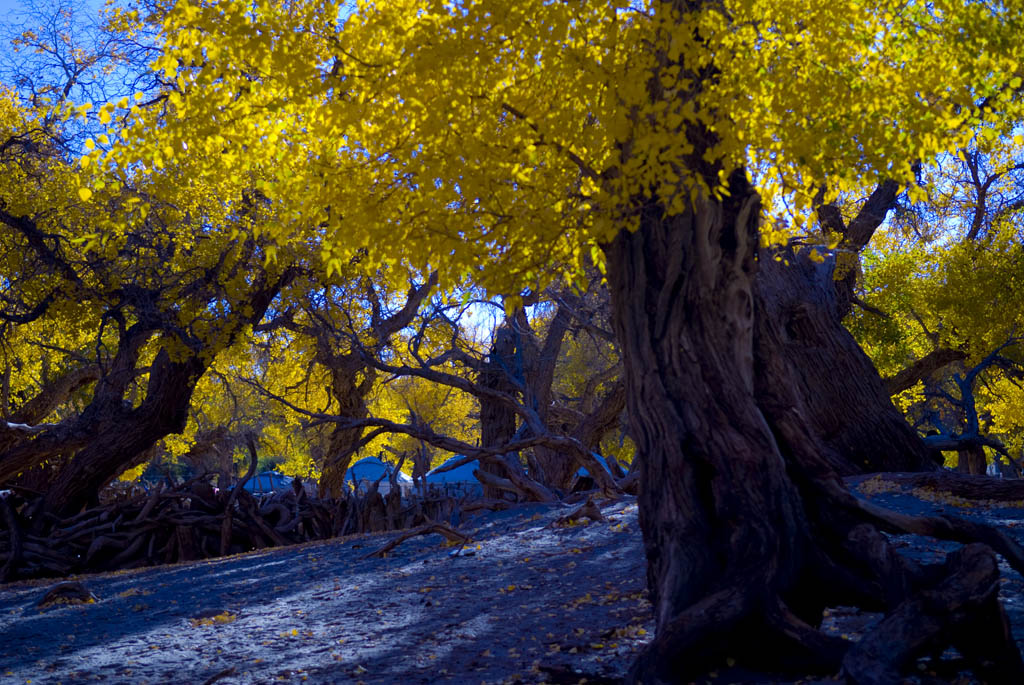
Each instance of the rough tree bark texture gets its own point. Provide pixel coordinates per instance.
(741, 397)
(841, 396)
(352, 378)
(498, 420)
(718, 512)
(124, 433)
(110, 435)
(50, 396)
(351, 381)
(972, 460)
(556, 468)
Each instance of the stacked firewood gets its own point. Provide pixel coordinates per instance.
(194, 521)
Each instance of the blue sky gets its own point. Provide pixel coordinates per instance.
(6, 6)
(9, 8)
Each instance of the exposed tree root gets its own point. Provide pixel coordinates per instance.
(962, 609)
(433, 527)
(587, 510)
(190, 522)
(66, 593)
(928, 609)
(486, 505)
(971, 487)
(948, 528)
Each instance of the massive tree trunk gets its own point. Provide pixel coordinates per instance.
(803, 347)
(741, 400)
(718, 512)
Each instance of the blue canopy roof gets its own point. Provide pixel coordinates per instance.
(460, 478)
(460, 474)
(370, 469)
(582, 472)
(268, 481)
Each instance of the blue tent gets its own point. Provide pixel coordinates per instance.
(582, 480)
(460, 479)
(583, 473)
(268, 481)
(368, 470)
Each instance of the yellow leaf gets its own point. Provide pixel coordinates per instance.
(85, 194)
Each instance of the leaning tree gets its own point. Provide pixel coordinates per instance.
(670, 140)
(123, 323)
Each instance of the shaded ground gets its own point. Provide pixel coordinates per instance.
(524, 602)
(522, 596)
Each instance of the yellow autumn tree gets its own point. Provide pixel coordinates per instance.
(490, 140)
(942, 294)
(116, 302)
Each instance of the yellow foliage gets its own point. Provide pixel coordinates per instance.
(485, 137)
(217, 619)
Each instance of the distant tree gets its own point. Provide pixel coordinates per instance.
(944, 295)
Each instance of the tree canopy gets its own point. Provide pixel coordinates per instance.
(703, 188)
(498, 139)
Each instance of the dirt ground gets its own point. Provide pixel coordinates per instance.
(522, 597)
(525, 601)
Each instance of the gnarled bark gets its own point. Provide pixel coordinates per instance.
(110, 435)
(923, 368)
(352, 378)
(351, 381)
(956, 484)
(497, 419)
(744, 393)
(49, 397)
(803, 347)
(722, 522)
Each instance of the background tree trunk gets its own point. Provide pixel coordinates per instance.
(110, 435)
(803, 346)
(972, 460)
(123, 435)
(498, 420)
(350, 393)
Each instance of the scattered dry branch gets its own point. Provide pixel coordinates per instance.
(433, 527)
(587, 510)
